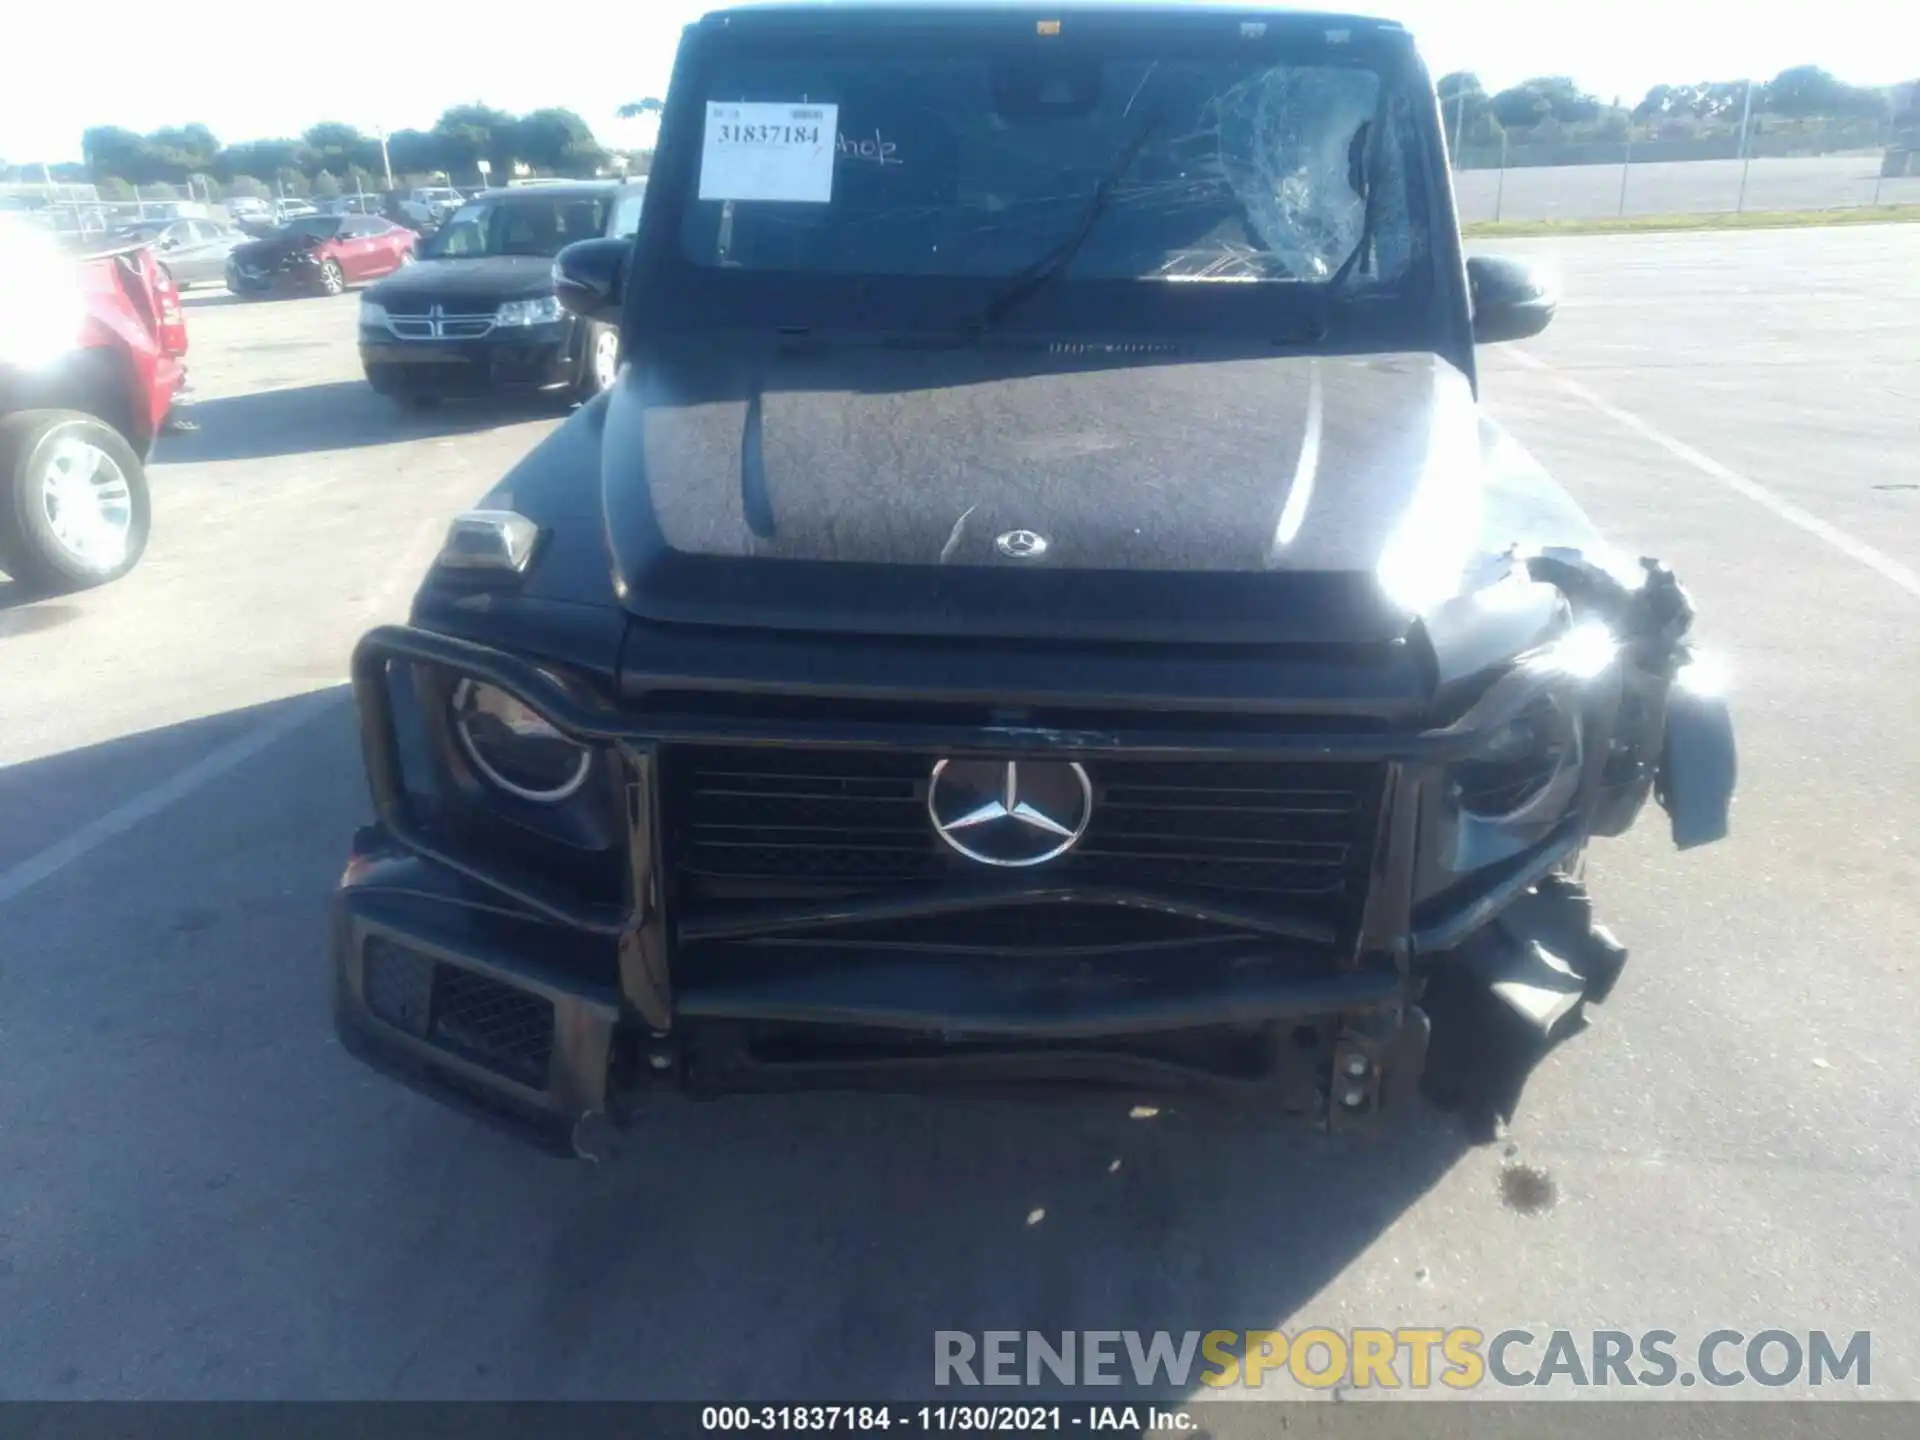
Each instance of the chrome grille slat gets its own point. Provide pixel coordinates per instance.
(435, 322)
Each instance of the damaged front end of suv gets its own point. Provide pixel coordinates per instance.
(1040, 603)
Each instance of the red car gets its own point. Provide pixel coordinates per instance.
(90, 365)
(320, 254)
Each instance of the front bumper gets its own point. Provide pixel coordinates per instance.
(294, 275)
(531, 357)
(510, 993)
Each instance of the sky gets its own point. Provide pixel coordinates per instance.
(222, 63)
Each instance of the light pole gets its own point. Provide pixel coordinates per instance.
(1500, 186)
(386, 160)
(1746, 159)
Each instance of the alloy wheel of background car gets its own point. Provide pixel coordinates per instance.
(74, 507)
(605, 361)
(332, 279)
(88, 503)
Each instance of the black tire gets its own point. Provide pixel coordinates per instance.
(30, 550)
(333, 280)
(599, 350)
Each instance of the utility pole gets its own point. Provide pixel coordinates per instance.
(1746, 159)
(1500, 185)
(1625, 166)
(386, 160)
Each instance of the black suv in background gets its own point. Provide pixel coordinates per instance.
(478, 312)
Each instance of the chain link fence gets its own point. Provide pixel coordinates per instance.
(1631, 187)
(1621, 179)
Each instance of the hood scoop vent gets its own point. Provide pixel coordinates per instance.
(1122, 347)
(1010, 345)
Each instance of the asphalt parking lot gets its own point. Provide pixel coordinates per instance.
(200, 1196)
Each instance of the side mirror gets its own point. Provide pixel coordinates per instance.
(590, 276)
(1511, 300)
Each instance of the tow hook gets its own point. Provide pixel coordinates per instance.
(596, 1139)
(1377, 1065)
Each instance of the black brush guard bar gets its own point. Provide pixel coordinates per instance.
(636, 738)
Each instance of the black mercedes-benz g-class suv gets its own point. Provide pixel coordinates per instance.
(1039, 601)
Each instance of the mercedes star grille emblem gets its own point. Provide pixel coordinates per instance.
(1008, 812)
(1021, 545)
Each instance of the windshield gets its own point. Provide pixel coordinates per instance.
(626, 214)
(1244, 168)
(540, 227)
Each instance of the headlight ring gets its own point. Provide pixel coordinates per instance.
(1528, 760)
(516, 748)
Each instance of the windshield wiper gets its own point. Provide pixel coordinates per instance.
(1048, 267)
(1374, 176)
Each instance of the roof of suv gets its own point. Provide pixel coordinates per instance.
(884, 11)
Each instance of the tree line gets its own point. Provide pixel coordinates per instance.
(1555, 108)
(333, 156)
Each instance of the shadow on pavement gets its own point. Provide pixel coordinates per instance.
(235, 1209)
(340, 415)
(24, 610)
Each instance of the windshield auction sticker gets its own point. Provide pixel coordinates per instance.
(769, 152)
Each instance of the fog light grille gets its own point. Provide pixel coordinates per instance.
(494, 1024)
(398, 985)
(489, 1022)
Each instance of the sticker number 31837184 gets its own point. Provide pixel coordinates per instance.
(760, 151)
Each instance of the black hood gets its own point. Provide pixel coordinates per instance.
(274, 248)
(1180, 496)
(1219, 499)
(487, 277)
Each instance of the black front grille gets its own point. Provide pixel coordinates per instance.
(775, 822)
(1063, 931)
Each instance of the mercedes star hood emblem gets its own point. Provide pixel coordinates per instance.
(1010, 812)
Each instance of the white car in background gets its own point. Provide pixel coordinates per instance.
(440, 200)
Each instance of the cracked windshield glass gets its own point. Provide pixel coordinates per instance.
(1217, 170)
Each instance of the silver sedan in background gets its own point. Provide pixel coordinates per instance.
(194, 252)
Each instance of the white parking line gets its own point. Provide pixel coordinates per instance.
(23, 876)
(1884, 565)
(20, 878)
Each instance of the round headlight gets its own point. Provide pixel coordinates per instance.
(515, 747)
(1520, 761)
